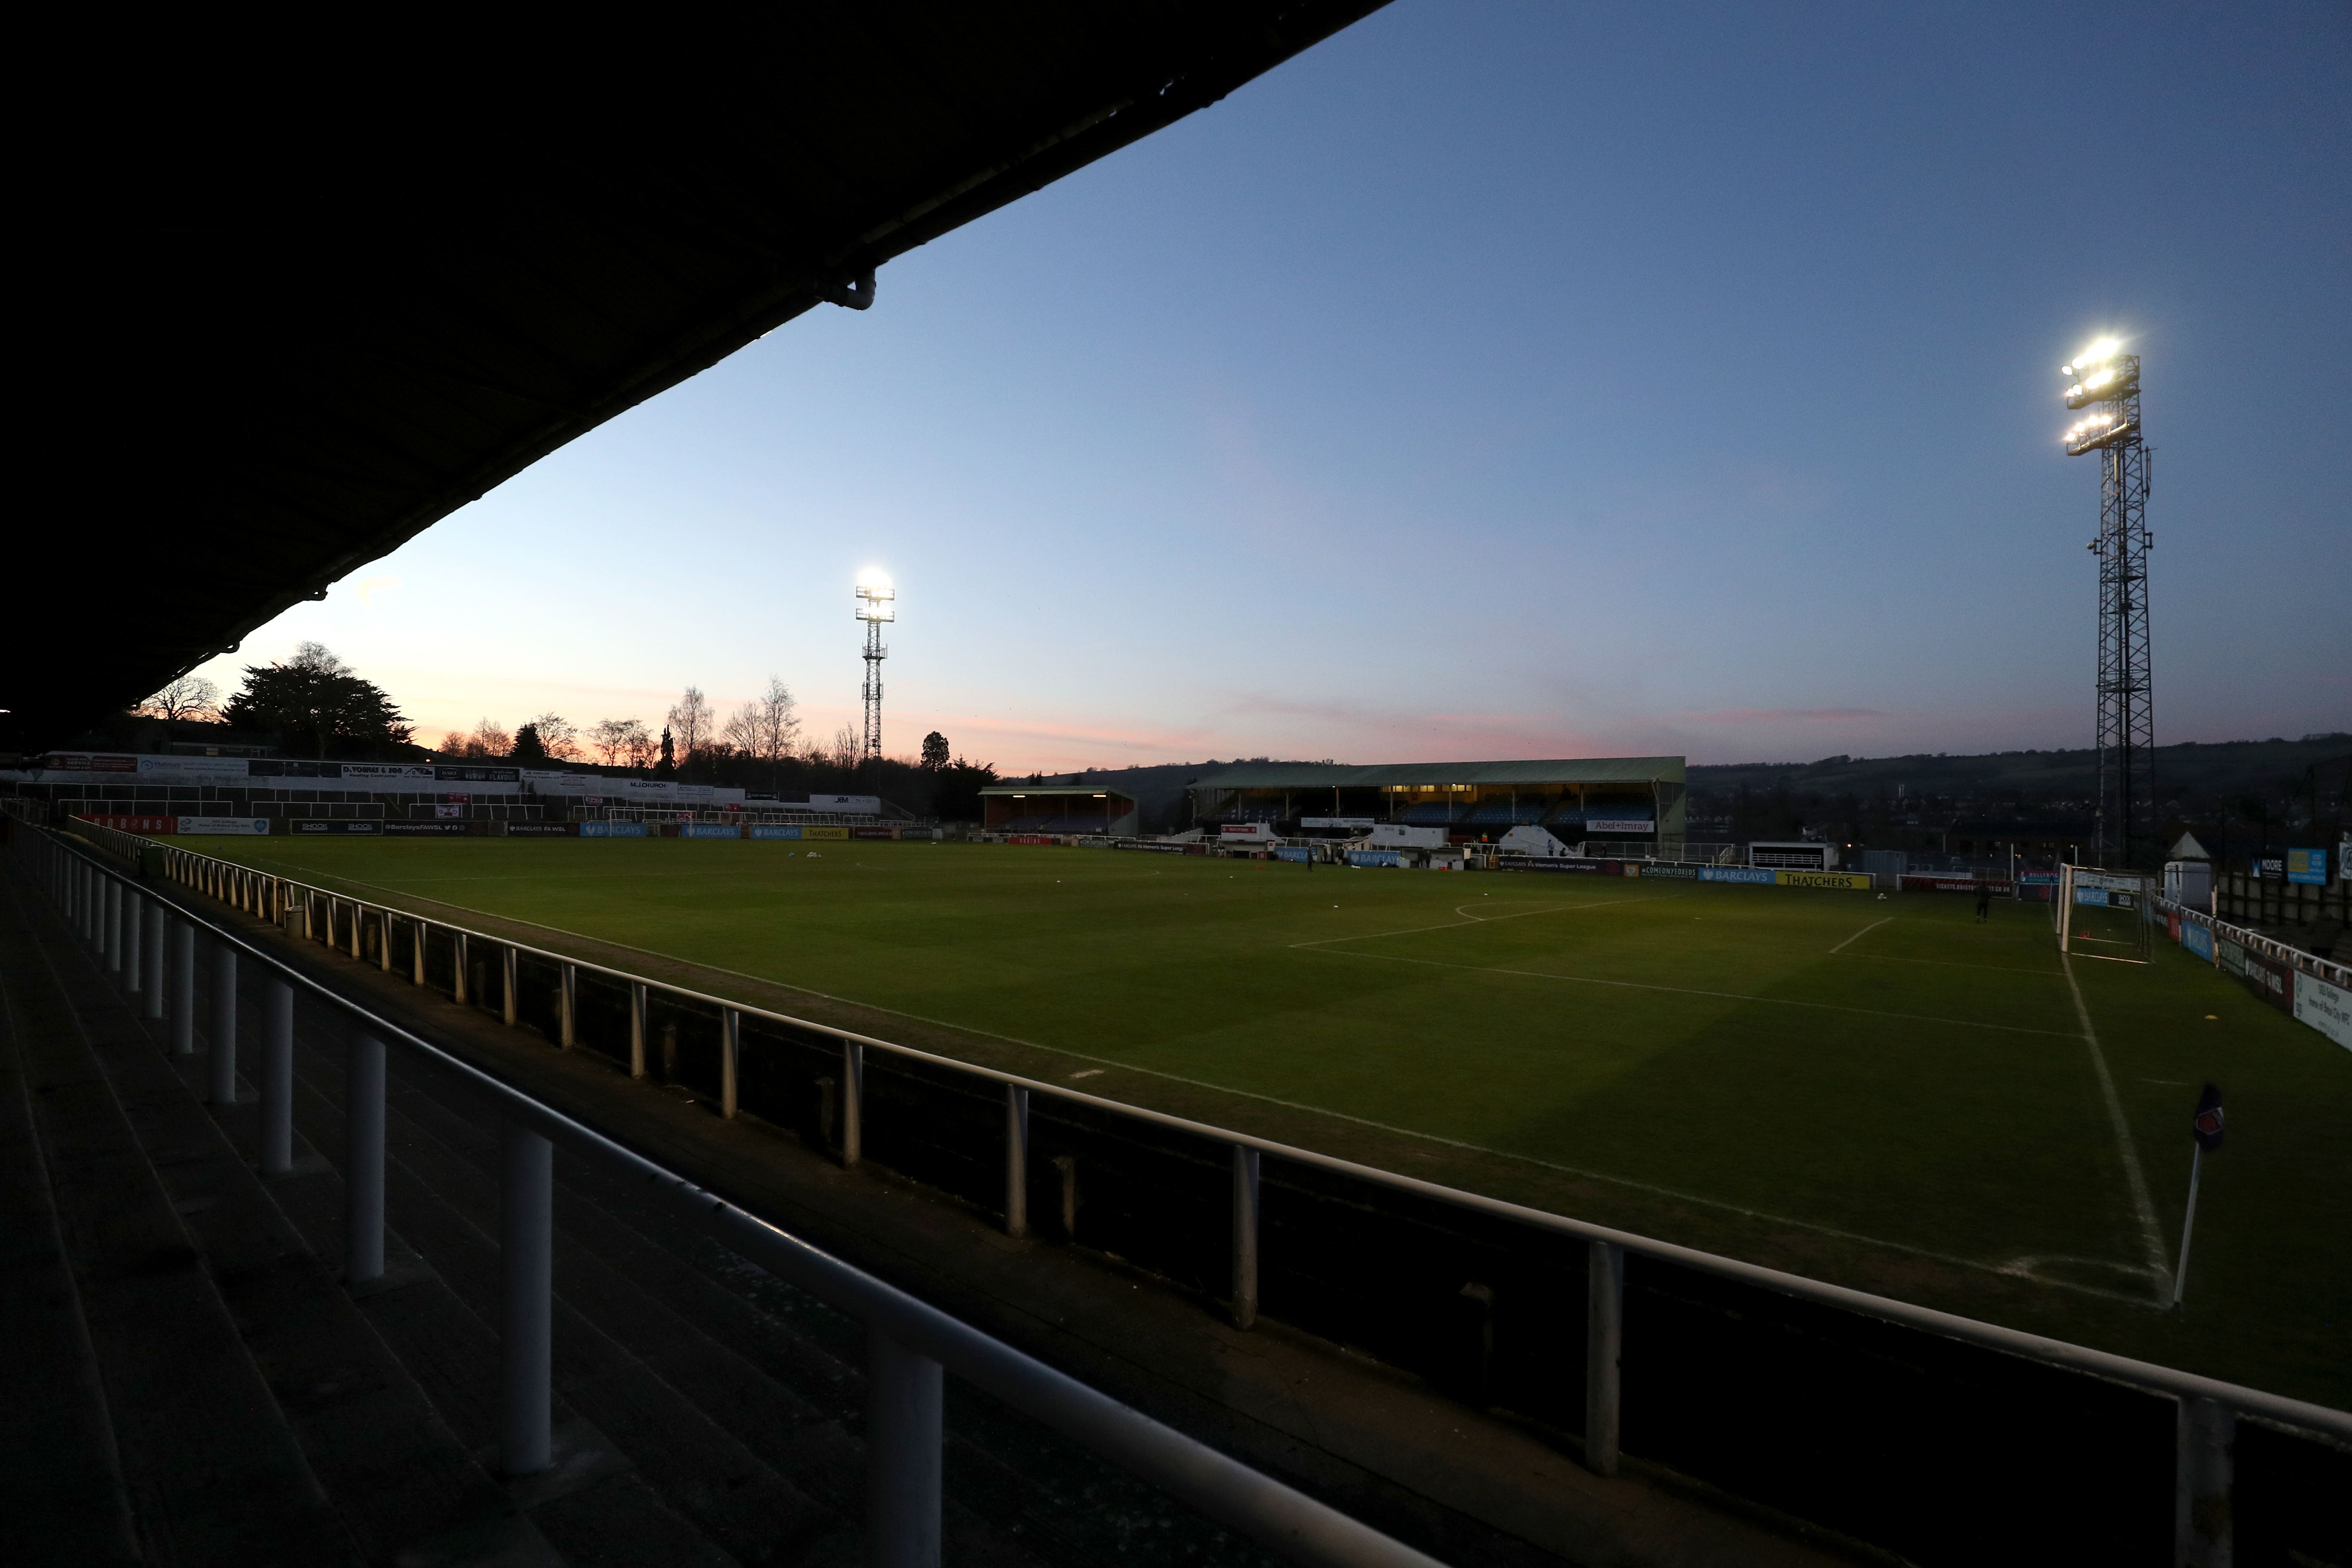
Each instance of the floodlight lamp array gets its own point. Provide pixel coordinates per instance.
(2094, 431)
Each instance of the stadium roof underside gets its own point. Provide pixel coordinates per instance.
(312, 292)
(1554, 771)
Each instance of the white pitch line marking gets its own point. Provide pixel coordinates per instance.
(1692, 990)
(1487, 920)
(2151, 1238)
(1860, 934)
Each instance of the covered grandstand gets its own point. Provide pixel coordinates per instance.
(1577, 798)
(1082, 808)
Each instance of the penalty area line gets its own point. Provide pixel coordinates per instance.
(1860, 934)
(1694, 991)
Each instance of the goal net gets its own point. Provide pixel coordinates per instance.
(2101, 913)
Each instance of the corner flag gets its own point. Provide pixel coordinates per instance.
(2206, 1127)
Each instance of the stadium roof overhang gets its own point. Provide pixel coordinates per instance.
(1070, 791)
(302, 307)
(1552, 771)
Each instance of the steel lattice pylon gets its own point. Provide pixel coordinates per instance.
(2124, 813)
(874, 654)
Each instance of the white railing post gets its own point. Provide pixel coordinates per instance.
(1245, 1205)
(362, 1159)
(111, 932)
(2207, 1439)
(1016, 1160)
(383, 935)
(419, 931)
(567, 1004)
(637, 1028)
(526, 1338)
(853, 1103)
(1604, 1350)
(156, 967)
(359, 928)
(465, 959)
(134, 949)
(903, 1432)
(277, 1077)
(509, 960)
(224, 1062)
(730, 1056)
(183, 989)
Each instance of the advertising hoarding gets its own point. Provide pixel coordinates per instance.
(2198, 939)
(1752, 874)
(1851, 882)
(312, 825)
(237, 825)
(2326, 1007)
(1620, 827)
(2308, 866)
(612, 830)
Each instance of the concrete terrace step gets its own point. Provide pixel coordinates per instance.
(706, 1413)
(210, 1469)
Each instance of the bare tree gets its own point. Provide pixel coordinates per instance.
(489, 739)
(315, 655)
(635, 743)
(189, 697)
(766, 729)
(558, 736)
(610, 739)
(690, 725)
(454, 743)
(848, 748)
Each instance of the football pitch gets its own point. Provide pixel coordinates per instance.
(1884, 1092)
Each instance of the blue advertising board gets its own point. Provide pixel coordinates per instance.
(612, 830)
(2308, 866)
(709, 830)
(2198, 939)
(1293, 852)
(1735, 874)
(1375, 858)
(774, 830)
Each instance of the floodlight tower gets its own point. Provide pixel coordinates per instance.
(877, 603)
(2103, 380)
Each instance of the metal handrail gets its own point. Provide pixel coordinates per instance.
(2311, 964)
(2147, 1375)
(1222, 1489)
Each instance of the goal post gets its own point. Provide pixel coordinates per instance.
(2093, 886)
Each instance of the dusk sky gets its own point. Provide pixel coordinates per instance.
(1506, 380)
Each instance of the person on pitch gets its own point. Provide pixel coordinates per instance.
(1984, 901)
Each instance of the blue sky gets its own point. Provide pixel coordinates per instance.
(1507, 380)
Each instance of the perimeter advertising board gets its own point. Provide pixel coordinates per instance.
(542, 829)
(2272, 980)
(1851, 881)
(709, 830)
(135, 824)
(873, 832)
(833, 833)
(2198, 939)
(772, 830)
(1151, 847)
(1755, 875)
(1375, 858)
(1928, 882)
(434, 829)
(1559, 863)
(239, 825)
(2308, 866)
(315, 826)
(612, 830)
(2326, 1007)
(1294, 852)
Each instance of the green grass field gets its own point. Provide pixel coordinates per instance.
(1878, 1091)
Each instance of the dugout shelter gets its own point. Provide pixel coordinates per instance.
(1081, 808)
(1619, 799)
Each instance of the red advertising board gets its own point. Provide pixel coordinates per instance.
(873, 832)
(2273, 982)
(136, 824)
